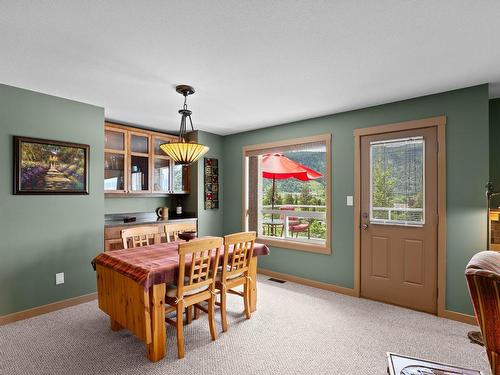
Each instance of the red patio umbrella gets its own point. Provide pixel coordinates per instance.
(278, 166)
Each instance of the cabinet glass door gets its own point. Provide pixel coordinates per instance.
(114, 172)
(180, 180)
(114, 140)
(158, 141)
(139, 170)
(161, 178)
(115, 180)
(139, 163)
(162, 173)
(139, 143)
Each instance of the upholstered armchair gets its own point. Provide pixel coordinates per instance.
(483, 278)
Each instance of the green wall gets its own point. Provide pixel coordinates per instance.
(210, 222)
(44, 235)
(495, 148)
(467, 173)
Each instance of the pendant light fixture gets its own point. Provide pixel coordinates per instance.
(184, 152)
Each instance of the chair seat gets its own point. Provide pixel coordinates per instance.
(172, 289)
(219, 276)
(299, 227)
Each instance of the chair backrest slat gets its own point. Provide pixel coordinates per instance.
(238, 250)
(203, 255)
(140, 236)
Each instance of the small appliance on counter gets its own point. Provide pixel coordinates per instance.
(162, 213)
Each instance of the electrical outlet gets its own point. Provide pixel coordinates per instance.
(349, 200)
(59, 278)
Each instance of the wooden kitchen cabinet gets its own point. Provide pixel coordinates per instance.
(134, 164)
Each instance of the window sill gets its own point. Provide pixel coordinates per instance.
(294, 245)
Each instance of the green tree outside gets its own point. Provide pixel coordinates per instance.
(383, 184)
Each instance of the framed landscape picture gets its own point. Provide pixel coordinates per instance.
(50, 167)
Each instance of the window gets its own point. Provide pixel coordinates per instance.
(287, 193)
(397, 182)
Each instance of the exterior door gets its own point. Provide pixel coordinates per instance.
(399, 218)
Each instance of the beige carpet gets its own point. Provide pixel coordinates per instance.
(296, 330)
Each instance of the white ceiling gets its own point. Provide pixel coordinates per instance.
(253, 63)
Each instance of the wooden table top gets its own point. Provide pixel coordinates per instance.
(154, 264)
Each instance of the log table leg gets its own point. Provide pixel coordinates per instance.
(253, 289)
(157, 348)
(115, 326)
(132, 307)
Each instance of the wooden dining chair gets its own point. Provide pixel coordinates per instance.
(140, 236)
(172, 230)
(198, 261)
(235, 271)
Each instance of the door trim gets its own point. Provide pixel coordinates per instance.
(439, 123)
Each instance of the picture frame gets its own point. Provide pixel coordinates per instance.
(211, 168)
(49, 167)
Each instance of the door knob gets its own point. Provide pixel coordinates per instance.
(364, 226)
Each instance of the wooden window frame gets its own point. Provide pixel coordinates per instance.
(289, 244)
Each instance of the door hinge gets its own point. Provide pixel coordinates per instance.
(437, 219)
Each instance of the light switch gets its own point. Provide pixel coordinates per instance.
(59, 278)
(349, 200)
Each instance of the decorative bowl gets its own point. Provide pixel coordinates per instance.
(187, 235)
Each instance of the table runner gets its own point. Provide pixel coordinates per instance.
(154, 264)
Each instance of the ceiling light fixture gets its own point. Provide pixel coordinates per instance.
(183, 151)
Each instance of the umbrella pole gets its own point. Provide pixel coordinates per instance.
(272, 205)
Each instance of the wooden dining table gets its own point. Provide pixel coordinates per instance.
(131, 287)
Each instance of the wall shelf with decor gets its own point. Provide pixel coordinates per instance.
(134, 164)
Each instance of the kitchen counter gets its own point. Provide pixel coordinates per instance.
(114, 224)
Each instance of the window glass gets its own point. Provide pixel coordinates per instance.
(397, 195)
(287, 193)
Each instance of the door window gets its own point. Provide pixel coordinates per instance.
(397, 194)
